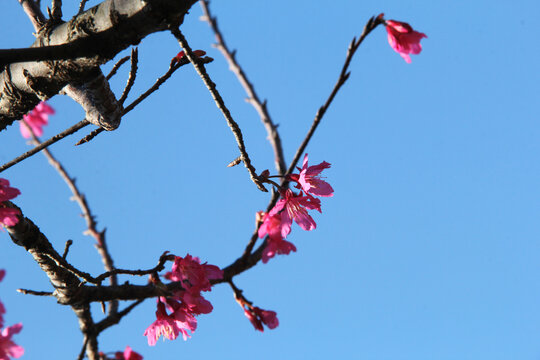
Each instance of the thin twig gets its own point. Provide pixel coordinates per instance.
(83, 350)
(253, 98)
(66, 248)
(201, 70)
(36, 293)
(249, 259)
(116, 67)
(45, 144)
(115, 319)
(81, 7)
(153, 88)
(159, 267)
(34, 13)
(132, 75)
(343, 76)
(56, 12)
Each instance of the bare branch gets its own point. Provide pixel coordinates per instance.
(104, 30)
(172, 68)
(199, 67)
(132, 75)
(45, 144)
(116, 67)
(36, 293)
(343, 76)
(253, 98)
(34, 14)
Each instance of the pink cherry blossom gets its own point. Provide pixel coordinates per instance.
(276, 247)
(8, 216)
(309, 179)
(7, 347)
(128, 354)
(36, 119)
(164, 325)
(258, 317)
(2, 308)
(271, 226)
(195, 277)
(293, 206)
(403, 39)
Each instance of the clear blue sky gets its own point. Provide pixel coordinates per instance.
(428, 250)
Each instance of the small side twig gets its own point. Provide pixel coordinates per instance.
(115, 318)
(220, 104)
(81, 7)
(372, 23)
(36, 293)
(45, 144)
(253, 98)
(153, 88)
(132, 75)
(116, 67)
(56, 12)
(159, 267)
(66, 248)
(34, 13)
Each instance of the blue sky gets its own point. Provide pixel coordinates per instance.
(429, 248)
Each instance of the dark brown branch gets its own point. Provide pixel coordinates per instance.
(253, 98)
(56, 12)
(132, 75)
(116, 67)
(82, 4)
(114, 319)
(66, 248)
(35, 293)
(201, 70)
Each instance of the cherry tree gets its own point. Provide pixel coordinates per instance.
(66, 58)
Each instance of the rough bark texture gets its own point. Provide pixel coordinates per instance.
(100, 33)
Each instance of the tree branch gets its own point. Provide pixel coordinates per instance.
(253, 98)
(105, 30)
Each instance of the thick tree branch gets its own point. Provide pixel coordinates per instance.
(105, 29)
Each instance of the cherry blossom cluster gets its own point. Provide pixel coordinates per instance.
(7, 347)
(402, 38)
(276, 224)
(176, 314)
(35, 120)
(8, 216)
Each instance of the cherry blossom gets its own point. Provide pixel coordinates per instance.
(8, 216)
(276, 247)
(294, 206)
(403, 39)
(195, 277)
(309, 179)
(258, 317)
(185, 304)
(181, 54)
(7, 347)
(36, 119)
(164, 325)
(2, 308)
(128, 354)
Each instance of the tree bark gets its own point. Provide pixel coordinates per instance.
(99, 33)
